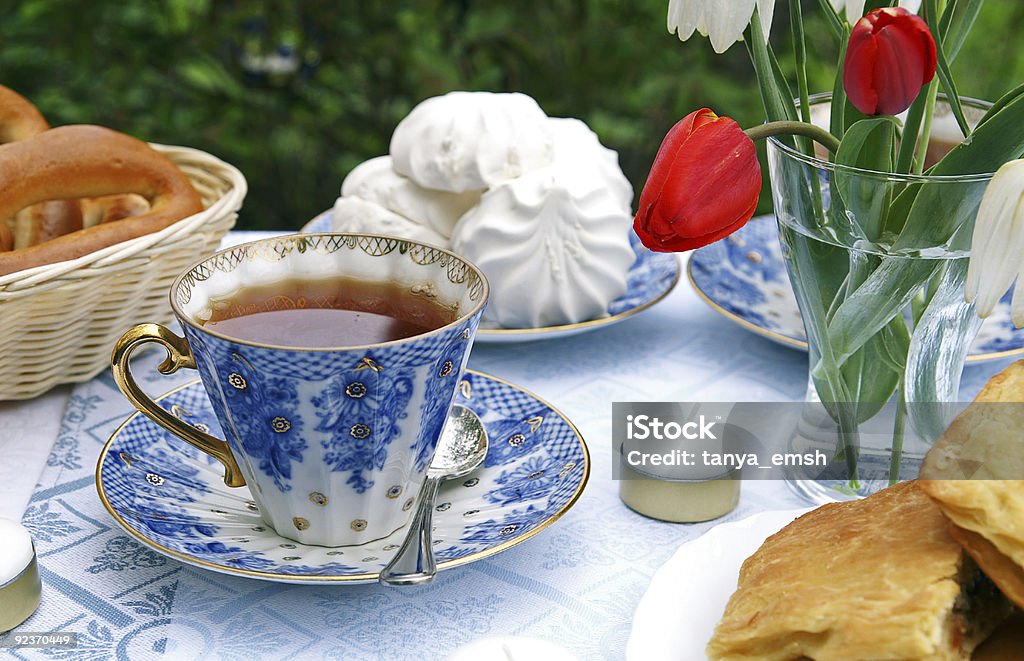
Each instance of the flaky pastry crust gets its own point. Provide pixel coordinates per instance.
(879, 578)
(972, 473)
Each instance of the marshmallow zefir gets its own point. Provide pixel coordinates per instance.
(20, 588)
(554, 243)
(577, 147)
(537, 202)
(377, 181)
(354, 215)
(471, 140)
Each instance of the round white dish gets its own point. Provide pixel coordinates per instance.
(687, 596)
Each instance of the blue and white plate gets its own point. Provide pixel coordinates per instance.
(744, 278)
(172, 498)
(651, 278)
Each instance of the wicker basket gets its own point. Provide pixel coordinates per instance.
(59, 322)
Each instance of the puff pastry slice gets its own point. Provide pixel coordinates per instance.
(879, 578)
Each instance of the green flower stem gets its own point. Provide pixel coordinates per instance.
(897, 436)
(800, 57)
(918, 305)
(926, 131)
(836, 24)
(816, 133)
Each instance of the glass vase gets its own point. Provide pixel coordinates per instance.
(878, 263)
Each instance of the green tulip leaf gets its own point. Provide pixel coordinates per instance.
(1003, 101)
(942, 69)
(958, 25)
(873, 373)
(868, 145)
(775, 92)
(911, 129)
(874, 304)
(939, 210)
(836, 24)
(933, 364)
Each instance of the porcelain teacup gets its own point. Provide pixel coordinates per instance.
(333, 442)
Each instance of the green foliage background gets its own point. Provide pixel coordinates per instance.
(175, 72)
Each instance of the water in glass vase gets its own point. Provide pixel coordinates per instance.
(877, 262)
(883, 378)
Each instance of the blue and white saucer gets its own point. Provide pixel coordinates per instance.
(650, 279)
(173, 499)
(744, 278)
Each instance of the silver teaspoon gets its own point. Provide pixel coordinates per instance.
(460, 450)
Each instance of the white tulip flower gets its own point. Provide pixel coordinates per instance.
(855, 8)
(722, 21)
(997, 246)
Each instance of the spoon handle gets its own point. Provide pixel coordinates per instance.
(414, 563)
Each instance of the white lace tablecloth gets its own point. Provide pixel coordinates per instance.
(577, 583)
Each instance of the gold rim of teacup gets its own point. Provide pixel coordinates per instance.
(186, 319)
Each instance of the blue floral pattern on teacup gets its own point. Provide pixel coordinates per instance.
(266, 415)
(334, 412)
(432, 417)
(314, 431)
(361, 413)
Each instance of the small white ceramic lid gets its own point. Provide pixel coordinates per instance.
(16, 550)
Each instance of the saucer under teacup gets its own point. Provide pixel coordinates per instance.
(651, 278)
(172, 498)
(744, 279)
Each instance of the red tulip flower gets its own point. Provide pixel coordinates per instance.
(703, 186)
(890, 57)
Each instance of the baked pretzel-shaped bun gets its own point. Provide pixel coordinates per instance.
(44, 221)
(89, 161)
(19, 119)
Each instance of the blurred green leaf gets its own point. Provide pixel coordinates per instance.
(175, 72)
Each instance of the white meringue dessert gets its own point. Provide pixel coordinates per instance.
(554, 245)
(538, 203)
(466, 141)
(357, 216)
(574, 139)
(376, 181)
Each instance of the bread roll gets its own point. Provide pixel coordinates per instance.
(89, 161)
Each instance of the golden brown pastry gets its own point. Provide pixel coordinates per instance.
(89, 161)
(879, 578)
(44, 221)
(6, 237)
(985, 441)
(19, 119)
(971, 471)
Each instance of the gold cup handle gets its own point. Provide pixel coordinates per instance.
(179, 355)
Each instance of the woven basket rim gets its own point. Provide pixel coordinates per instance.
(23, 282)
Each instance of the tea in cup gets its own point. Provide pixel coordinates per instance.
(331, 361)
